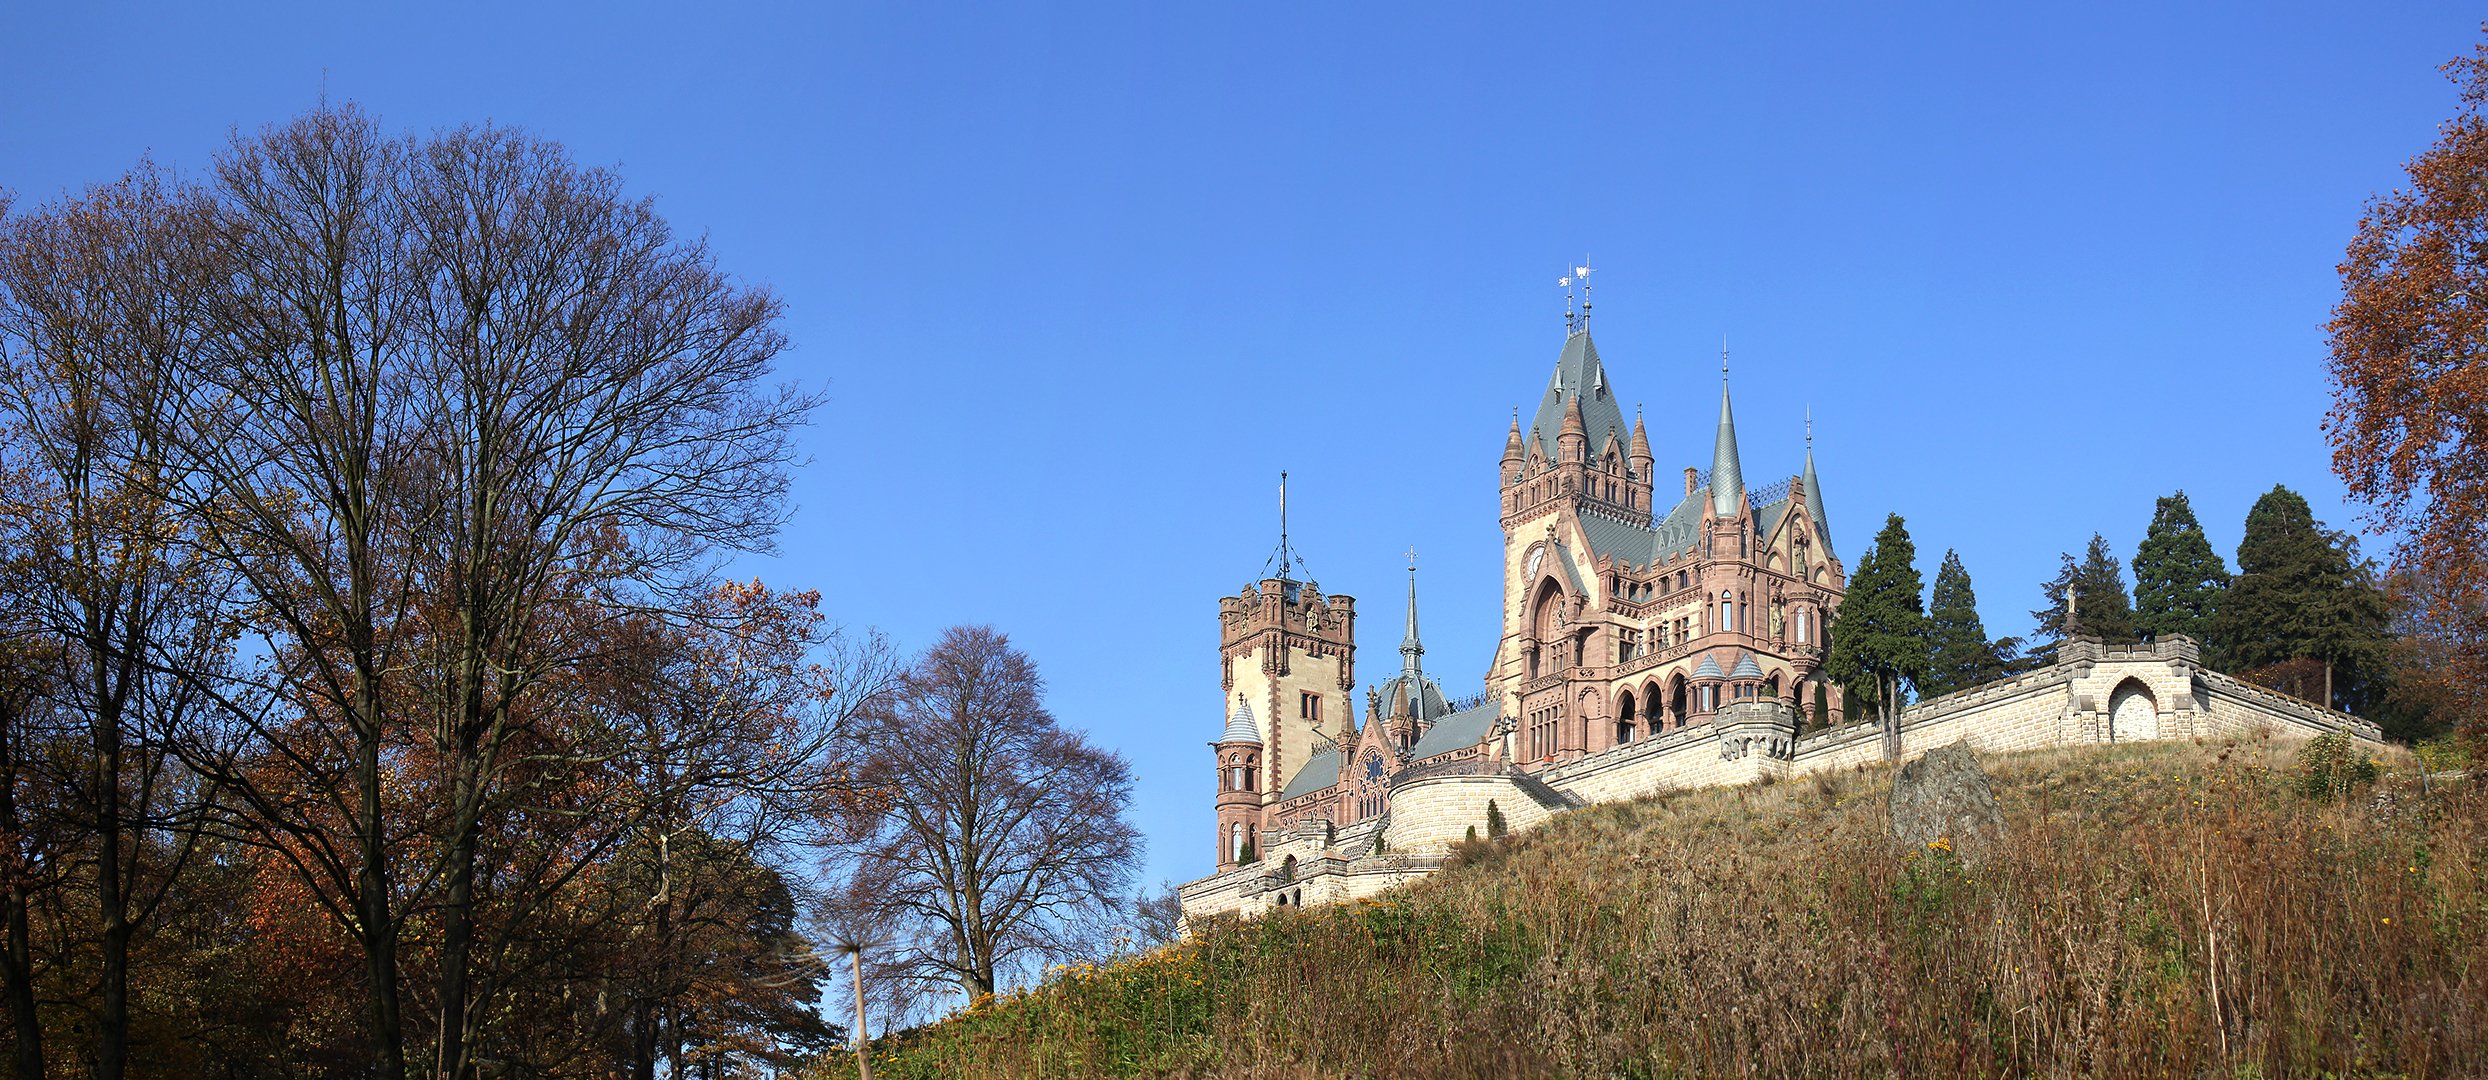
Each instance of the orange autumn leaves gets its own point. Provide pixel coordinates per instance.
(2409, 362)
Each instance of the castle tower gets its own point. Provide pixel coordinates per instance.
(1620, 610)
(1240, 785)
(1291, 653)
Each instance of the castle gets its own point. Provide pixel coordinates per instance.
(1642, 650)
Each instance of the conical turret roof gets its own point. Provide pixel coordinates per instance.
(1727, 478)
(1709, 668)
(1746, 668)
(1814, 504)
(1240, 725)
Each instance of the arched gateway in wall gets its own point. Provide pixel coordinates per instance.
(2132, 714)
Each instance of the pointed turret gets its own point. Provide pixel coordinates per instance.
(1571, 444)
(1512, 450)
(1727, 478)
(1412, 651)
(1814, 502)
(1640, 452)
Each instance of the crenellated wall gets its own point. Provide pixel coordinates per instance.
(2163, 688)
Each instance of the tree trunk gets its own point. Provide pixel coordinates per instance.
(378, 929)
(643, 1040)
(17, 961)
(112, 1022)
(457, 945)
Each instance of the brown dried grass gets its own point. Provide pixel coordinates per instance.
(2171, 910)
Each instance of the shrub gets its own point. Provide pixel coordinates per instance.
(1494, 820)
(2331, 766)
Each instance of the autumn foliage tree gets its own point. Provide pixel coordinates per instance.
(360, 511)
(2409, 363)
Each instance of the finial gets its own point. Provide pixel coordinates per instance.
(1723, 359)
(1412, 559)
(1809, 428)
(1570, 320)
(1286, 556)
(1582, 273)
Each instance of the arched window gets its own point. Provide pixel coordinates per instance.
(1235, 851)
(1727, 611)
(1801, 625)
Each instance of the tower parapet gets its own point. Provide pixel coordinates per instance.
(1290, 652)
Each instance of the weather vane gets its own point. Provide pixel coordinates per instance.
(1412, 558)
(1582, 274)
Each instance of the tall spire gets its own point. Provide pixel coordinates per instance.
(1412, 671)
(1814, 492)
(1727, 480)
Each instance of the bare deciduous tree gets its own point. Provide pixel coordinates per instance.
(595, 417)
(1002, 842)
(103, 304)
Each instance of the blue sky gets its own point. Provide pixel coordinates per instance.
(1079, 281)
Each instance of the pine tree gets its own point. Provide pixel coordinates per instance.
(2178, 578)
(2302, 594)
(1959, 654)
(1494, 820)
(1878, 638)
(2100, 608)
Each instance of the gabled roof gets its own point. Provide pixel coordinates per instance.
(1578, 376)
(1319, 771)
(1767, 518)
(1709, 668)
(1457, 730)
(1746, 668)
(1642, 545)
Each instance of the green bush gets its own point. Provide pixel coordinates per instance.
(2332, 766)
(1494, 820)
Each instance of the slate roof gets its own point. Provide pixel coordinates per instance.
(1434, 704)
(1319, 771)
(1240, 725)
(1746, 668)
(1727, 476)
(1709, 668)
(1578, 374)
(1463, 728)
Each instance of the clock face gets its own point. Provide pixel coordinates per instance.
(1536, 557)
(1373, 767)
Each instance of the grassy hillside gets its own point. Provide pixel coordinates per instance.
(2168, 910)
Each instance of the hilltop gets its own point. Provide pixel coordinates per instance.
(2155, 910)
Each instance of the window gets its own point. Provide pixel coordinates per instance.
(1309, 706)
(1727, 611)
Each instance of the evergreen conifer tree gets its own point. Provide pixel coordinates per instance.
(2302, 594)
(1959, 654)
(1878, 641)
(2178, 578)
(2099, 605)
